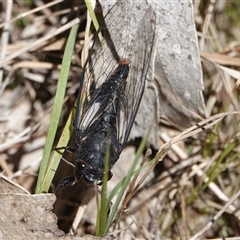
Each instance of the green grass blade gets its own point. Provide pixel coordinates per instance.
(125, 183)
(57, 155)
(59, 98)
(213, 173)
(120, 183)
(103, 211)
(94, 18)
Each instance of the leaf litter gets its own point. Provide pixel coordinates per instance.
(183, 185)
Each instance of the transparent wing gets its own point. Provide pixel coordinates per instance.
(103, 61)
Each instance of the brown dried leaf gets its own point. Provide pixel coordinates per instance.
(221, 59)
(174, 88)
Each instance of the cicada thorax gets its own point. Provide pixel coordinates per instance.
(102, 130)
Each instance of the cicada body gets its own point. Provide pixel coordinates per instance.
(114, 79)
(100, 126)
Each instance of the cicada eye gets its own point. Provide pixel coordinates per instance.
(81, 164)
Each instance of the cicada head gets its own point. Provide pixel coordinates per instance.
(90, 173)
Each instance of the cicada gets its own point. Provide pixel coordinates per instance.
(111, 88)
